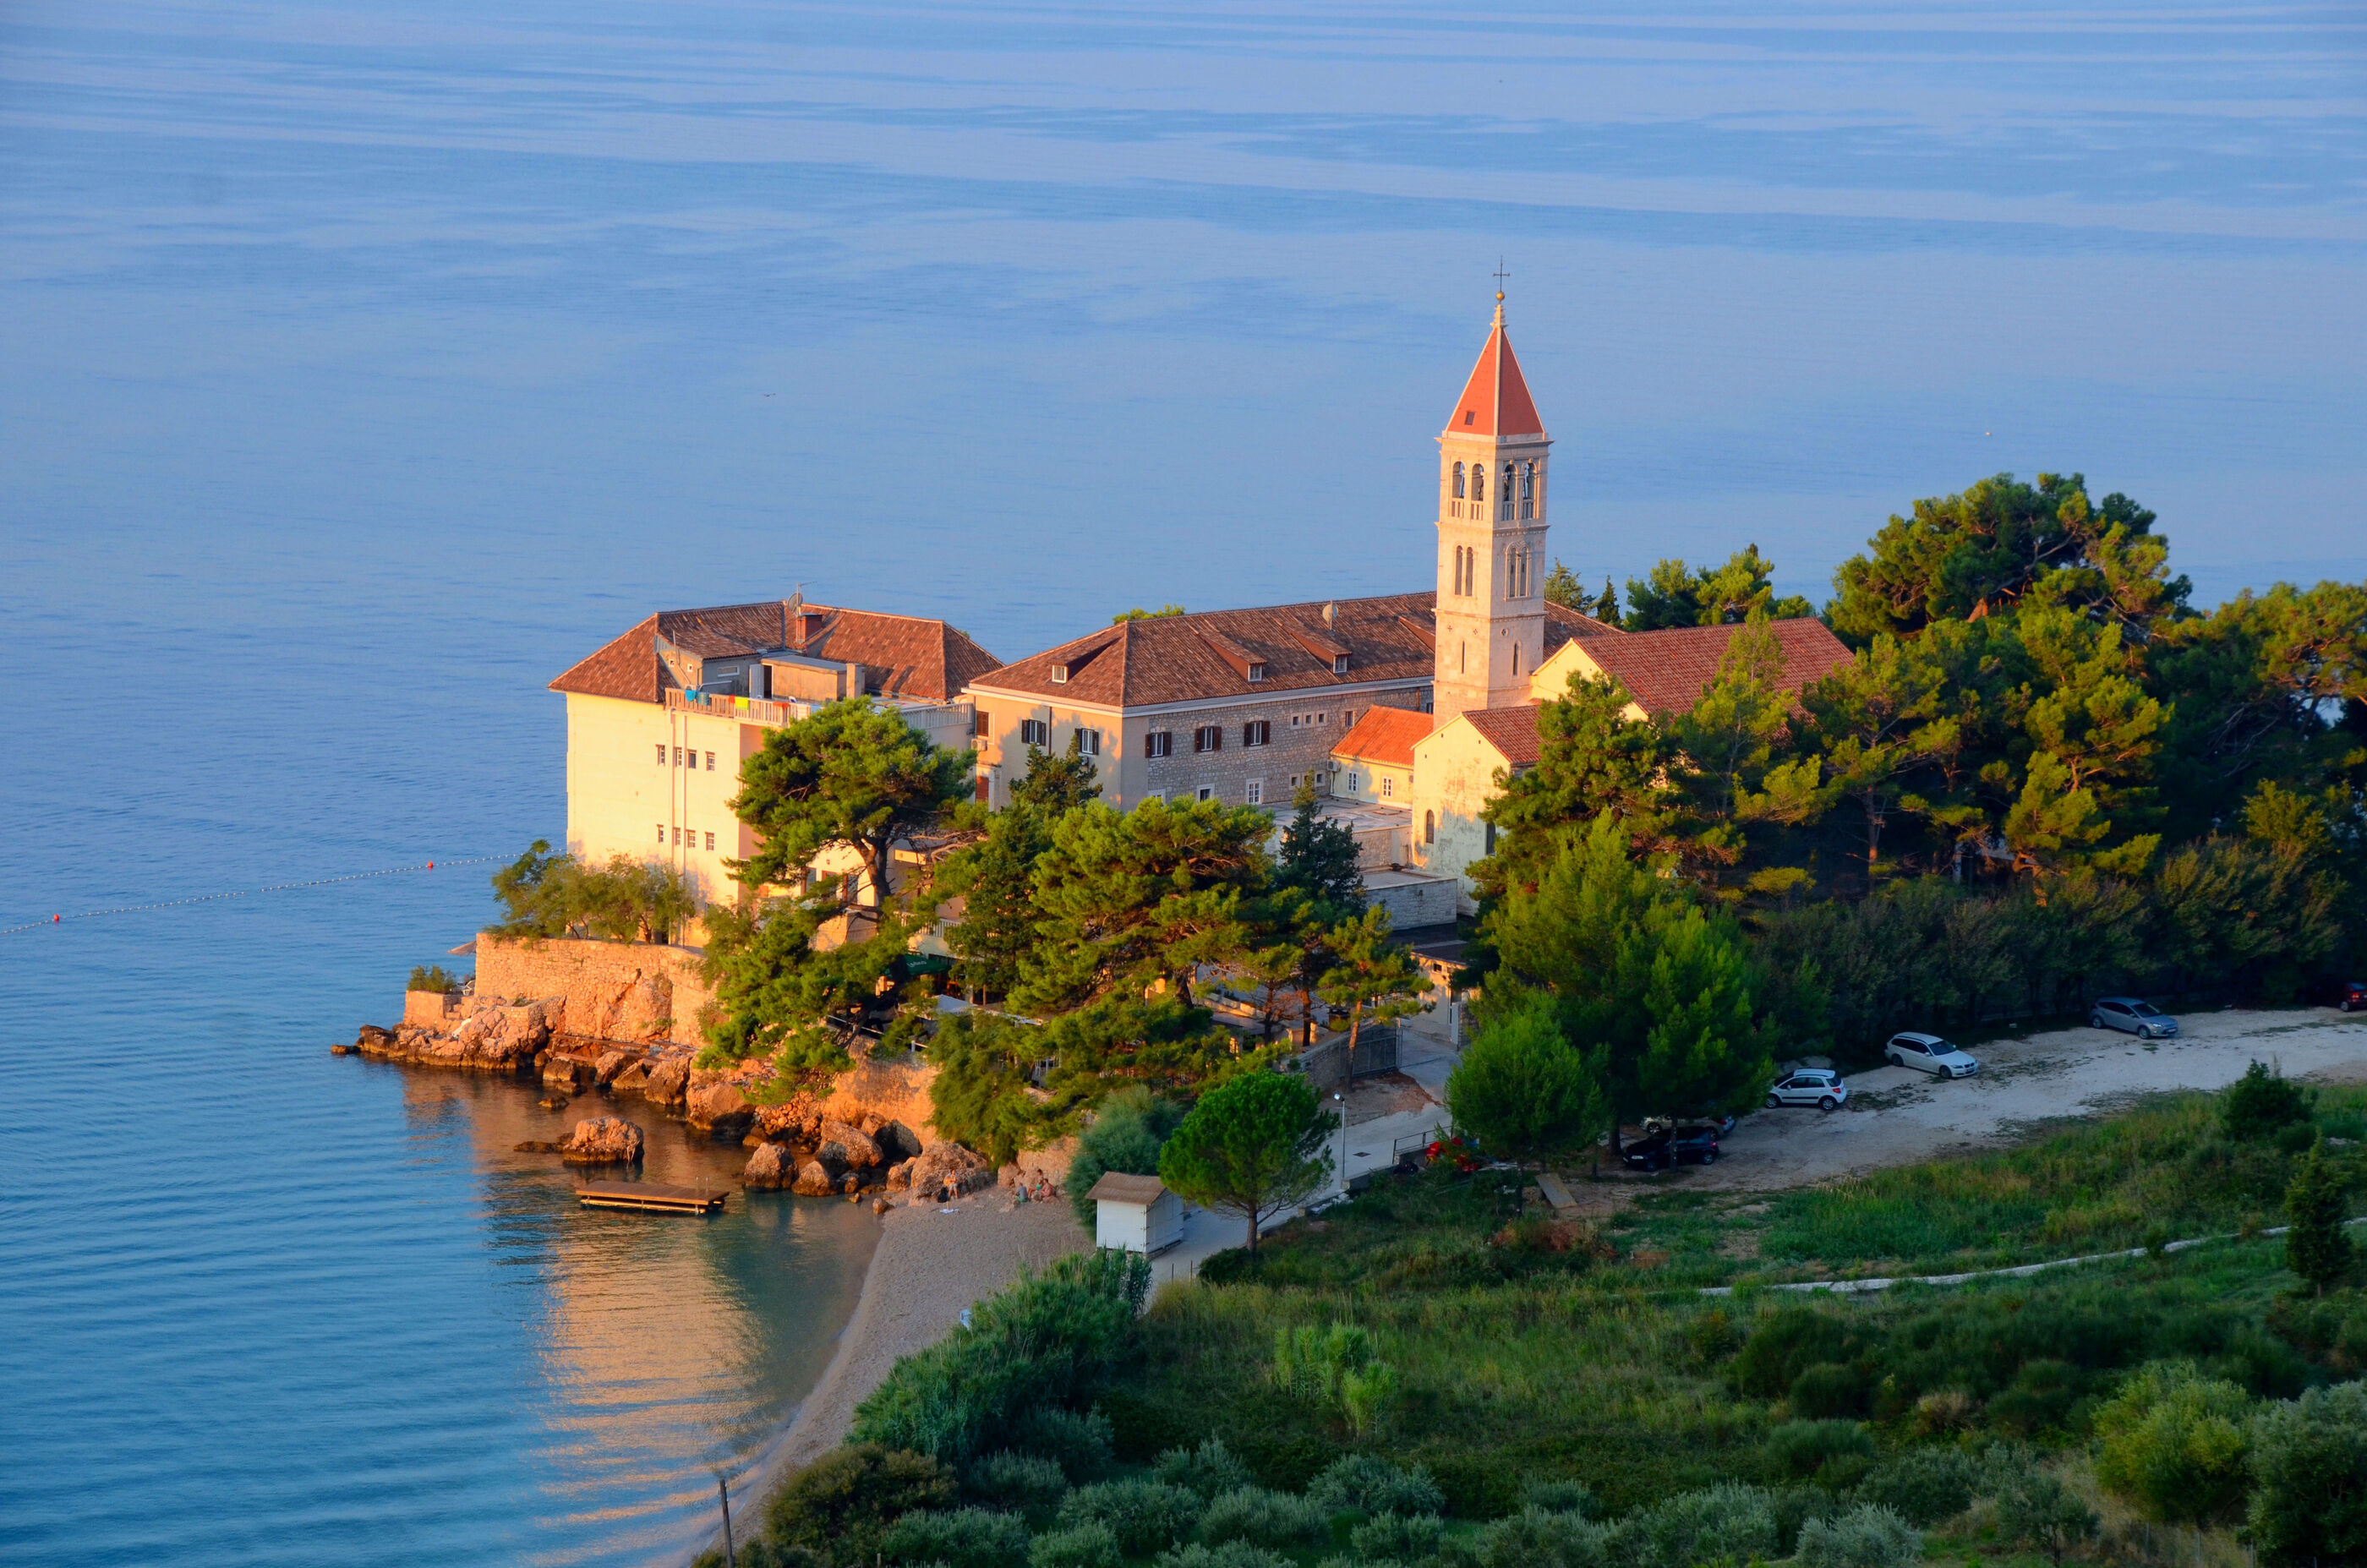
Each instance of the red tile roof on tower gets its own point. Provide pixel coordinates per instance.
(902, 656)
(1496, 398)
(1385, 736)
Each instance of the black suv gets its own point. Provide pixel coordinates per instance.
(1673, 1146)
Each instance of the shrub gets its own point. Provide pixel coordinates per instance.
(1922, 1485)
(1560, 1495)
(1084, 1546)
(2036, 1508)
(1827, 1389)
(2309, 1470)
(2175, 1443)
(1263, 1518)
(2316, 1247)
(2039, 1399)
(1731, 1523)
(1400, 1537)
(1943, 1411)
(427, 977)
(841, 1506)
(1208, 1470)
(1370, 1485)
(1537, 1539)
(1141, 1516)
(966, 1537)
(1786, 1344)
(1232, 1554)
(2261, 1102)
(1031, 1347)
(1868, 1537)
(1028, 1484)
(1803, 1447)
(1081, 1444)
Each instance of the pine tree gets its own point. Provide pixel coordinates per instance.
(1318, 857)
(1606, 609)
(1563, 588)
(2316, 1247)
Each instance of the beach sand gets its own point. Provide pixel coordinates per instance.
(932, 1262)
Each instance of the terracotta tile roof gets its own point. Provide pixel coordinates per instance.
(1385, 736)
(1562, 624)
(903, 656)
(1181, 658)
(1496, 399)
(1512, 731)
(1667, 671)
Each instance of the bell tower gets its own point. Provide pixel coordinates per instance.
(1490, 618)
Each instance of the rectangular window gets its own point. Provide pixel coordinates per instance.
(1208, 737)
(1257, 792)
(1339, 664)
(1321, 718)
(1257, 732)
(1159, 743)
(661, 753)
(710, 840)
(1491, 838)
(983, 785)
(677, 756)
(1205, 793)
(1388, 788)
(661, 832)
(710, 761)
(1035, 732)
(1352, 783)
(1257, 671)
(1089, 742)
(677, 837)
(984, 727)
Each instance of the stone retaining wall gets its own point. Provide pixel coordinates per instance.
(634, 991)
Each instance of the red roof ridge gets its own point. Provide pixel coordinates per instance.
(1496, 399)
(1385, 735)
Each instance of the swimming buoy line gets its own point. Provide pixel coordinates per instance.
(248, 892)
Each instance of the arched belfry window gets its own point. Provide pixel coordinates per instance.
(1528, 489)
(1504, 496)
(1459, 481)
(1478, 484)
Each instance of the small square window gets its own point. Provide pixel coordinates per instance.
(1205, 793)
(1321, 718)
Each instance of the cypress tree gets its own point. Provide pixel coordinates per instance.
(2316, 1247)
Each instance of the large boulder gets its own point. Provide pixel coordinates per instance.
(603, 1140)
(896, 1141)
(669, 1077)
(900, 1175)
(610, 1065)
(814, 1180)
(633, 1079)
(769, 1169)
(1048, 1164)
(567, 1075)
(720, 1109)
(950, 1168)
(856, 1150)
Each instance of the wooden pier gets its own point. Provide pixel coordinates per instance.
(651, 1197)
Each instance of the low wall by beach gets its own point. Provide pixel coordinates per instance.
(613, 990)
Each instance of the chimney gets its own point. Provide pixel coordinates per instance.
(1330, 617)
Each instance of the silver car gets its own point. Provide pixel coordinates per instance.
(2132, 1017)
(1820, 1087)
(1929, 1054)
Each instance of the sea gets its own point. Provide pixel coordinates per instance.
(362, 366)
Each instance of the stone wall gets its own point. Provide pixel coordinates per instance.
(613, 990)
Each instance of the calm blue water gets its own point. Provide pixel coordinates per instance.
(363, 365)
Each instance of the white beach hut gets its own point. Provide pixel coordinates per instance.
(1135, 1212)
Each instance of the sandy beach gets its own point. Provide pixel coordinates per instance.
(932, 1262)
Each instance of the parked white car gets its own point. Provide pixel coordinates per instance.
(2131, 1016)
(1820, 1087)
(1929, 1054)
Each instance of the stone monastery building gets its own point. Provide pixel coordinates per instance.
(1404, 710)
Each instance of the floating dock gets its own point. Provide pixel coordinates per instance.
(651, 1197)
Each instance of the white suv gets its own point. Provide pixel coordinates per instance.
(1929, 1054)
(1820, 1087)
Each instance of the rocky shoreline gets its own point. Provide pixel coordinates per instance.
(866, 1130)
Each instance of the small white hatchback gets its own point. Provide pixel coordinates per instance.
(1820, 1087)
(1929, 1054)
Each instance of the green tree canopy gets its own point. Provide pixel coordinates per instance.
(1319, 856)
(2309, 1468)
(1372, 978)
(2315, 1246)
(1252, 1146)
(1523, 1090)
(2174, 1443)
(1562, 587)
(851, 774)
(1679, 595)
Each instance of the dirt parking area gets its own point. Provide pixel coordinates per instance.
(1896, 1116)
